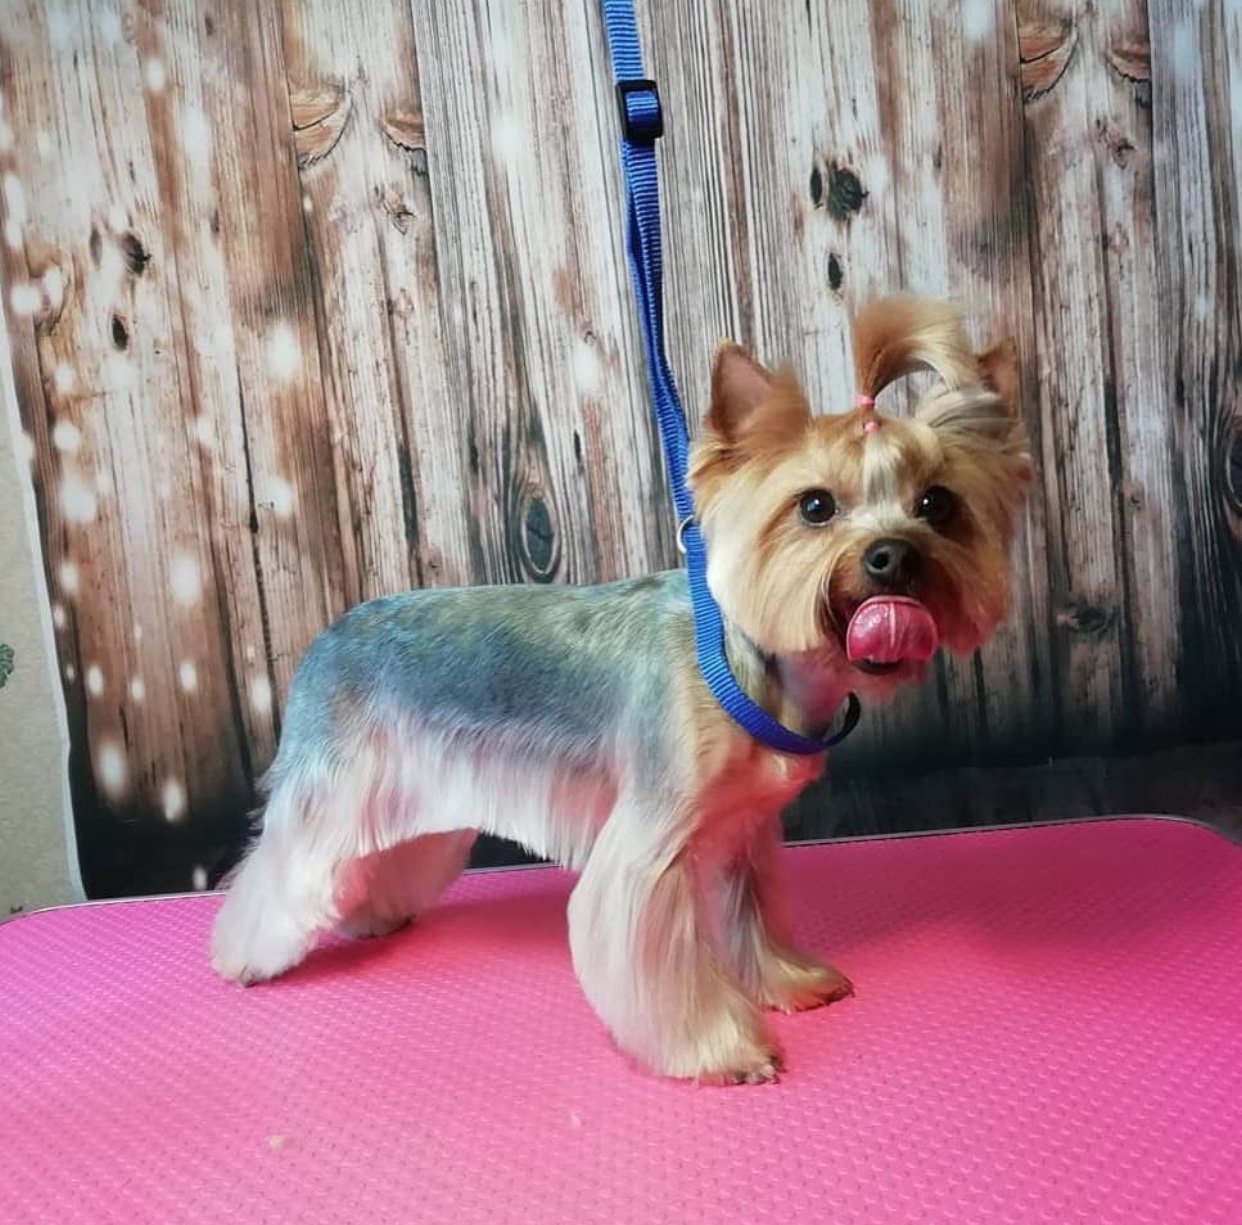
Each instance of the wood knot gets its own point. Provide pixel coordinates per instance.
(1089, 620)
(1045, 49)
(320, 115)
(1118, 143)
(845, 194)
(836, 274)
(539, 543)
(1132, 62)
(136, 256)
(406, 130)
(392, 200)
(1231, 475)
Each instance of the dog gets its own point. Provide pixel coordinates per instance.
(843, 550)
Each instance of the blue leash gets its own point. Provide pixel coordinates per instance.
(642, 124)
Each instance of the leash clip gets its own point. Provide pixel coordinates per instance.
(682, 528)
(643, 125)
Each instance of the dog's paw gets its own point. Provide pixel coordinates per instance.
(753, 1063)
(797, 985)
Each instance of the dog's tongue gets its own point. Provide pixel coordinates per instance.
(890, 629)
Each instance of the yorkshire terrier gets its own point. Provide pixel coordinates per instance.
(843, 550)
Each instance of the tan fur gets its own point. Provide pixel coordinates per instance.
(897, 336)
(778, 580)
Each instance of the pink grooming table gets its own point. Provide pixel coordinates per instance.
(1048, 1028)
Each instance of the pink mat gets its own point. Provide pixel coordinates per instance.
(1048, 1028)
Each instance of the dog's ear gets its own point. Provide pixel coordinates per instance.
(1000, 373)
(749, 401)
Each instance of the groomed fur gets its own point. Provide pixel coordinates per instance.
(575, 721)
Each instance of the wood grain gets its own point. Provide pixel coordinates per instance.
(306, 306)
(1198, 180)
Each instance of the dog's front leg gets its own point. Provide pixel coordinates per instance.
(643, 951)
(757, 932)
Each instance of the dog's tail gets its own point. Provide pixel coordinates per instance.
(896, 336)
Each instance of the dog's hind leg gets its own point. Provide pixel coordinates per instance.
(387, 889)
(288, 889)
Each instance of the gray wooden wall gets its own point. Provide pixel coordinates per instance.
(312, 301)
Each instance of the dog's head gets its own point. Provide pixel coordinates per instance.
(866, 538)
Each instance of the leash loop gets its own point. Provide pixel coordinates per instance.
(642, 124)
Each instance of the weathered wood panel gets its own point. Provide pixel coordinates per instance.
(1198, 181)
(308, 306)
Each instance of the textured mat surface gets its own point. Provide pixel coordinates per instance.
(1048, 1028)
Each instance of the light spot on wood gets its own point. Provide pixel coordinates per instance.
(66, 438)
(203, 432)
(58, 616)
(137, 631)
(196, 134)
(187, 676)
(110, 28)
(111, 769)
(1184, 54)
(319, 119)
(1203, 306)
(284, 356)
(198, 878)
(978, 19)
(185, 580)
(64, 378)
(54, 290)
(71, 673)
(118, 219)
(70, 580)
(172, 798)
(508, 137)
(45, 147)
(138, 690)
(119, 372)
(78, 503)
(281, 496)
(59, 27)
(24, 300)
(15, 211)
(155, 75)
(261, 695)
(103, 485)
(588, 372)
(95, 681)
(250, 655)
(308, 205)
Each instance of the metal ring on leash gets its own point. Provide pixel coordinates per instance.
(681, 534)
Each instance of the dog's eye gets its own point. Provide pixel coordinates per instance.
(817, 506)
(936, 506)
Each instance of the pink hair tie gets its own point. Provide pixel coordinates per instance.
(864, 402)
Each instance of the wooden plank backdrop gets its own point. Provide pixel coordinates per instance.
(309, 304)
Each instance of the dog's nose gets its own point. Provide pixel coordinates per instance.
(891, 562)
